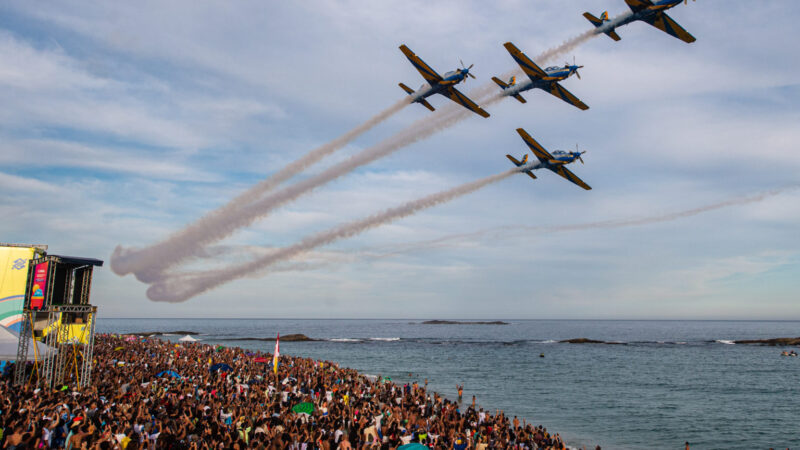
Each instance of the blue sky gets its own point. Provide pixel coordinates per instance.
(122, 122)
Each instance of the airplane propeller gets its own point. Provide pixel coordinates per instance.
(575, 66)
(465, 69)
(579, 153)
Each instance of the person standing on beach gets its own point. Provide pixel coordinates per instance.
(460, 391)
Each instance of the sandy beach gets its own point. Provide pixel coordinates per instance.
(151, 393)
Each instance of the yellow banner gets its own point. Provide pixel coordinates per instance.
(13, 276)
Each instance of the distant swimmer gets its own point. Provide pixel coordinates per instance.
(541, 355)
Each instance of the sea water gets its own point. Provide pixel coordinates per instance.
(660, 384)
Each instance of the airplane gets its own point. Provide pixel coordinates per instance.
(440, 85)
(546, 79)
(650, 11)
(554, 162)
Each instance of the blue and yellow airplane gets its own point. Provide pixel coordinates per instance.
(546, 79)
(554, 162)
(440, 85)
(648, 11)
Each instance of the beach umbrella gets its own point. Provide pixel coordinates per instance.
(187, 338)
(220, 366)
(304, 408)
(261, 359)
(413, 446)
(220, 347)
(171, 373)
(118, 349)
(130, 338)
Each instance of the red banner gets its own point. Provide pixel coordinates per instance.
(39, 285)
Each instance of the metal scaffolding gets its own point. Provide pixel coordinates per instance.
(60, 327)
(64, 358)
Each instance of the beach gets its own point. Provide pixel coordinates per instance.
(154, 393)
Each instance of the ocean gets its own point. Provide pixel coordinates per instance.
(656, 384)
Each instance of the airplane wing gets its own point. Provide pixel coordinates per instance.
(539, 151)
(564, 172)
(456, 96)
(666, 24)
(638, 5)
(560, 92)
(425, 70)
(528, 66)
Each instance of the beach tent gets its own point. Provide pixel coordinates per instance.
(171, 373)
(413, 446)
(220, 366)
(188, 338)
(9, 342)
(304, 408)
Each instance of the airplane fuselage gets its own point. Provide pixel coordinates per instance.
(650, 11)
(449, 79)
(554, 75)
(560, 158)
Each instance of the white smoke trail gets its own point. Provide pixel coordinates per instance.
(127, 261)
(513, 231)
(492, 234)
(149, 264)
(182, 288)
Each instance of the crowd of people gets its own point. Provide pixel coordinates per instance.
(151, 393)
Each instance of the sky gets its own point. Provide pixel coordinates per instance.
(123, 122)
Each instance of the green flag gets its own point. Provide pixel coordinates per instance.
(305, 407)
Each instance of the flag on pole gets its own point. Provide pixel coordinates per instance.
(277, 353)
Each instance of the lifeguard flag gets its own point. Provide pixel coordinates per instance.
(277, 353)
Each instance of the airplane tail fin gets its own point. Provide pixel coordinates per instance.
(510, 83)
(419, 100)
(600, 22)
(522, 163)
(516, 162)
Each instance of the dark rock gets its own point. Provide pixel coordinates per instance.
(286, 338)
(164, 333)
(589, 341)
(455, 322)
(296, 338)
(581, 341)
(773, 341)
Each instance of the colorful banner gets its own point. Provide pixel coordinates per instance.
(39, 285)
(13, 276)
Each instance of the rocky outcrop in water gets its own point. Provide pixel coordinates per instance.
(284, 338)
(455, 322)
(588, 341)
(773, 341)
(165, 333)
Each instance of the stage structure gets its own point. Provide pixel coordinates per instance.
(58, 322)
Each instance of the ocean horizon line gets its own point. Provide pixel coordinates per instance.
(452, 319)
